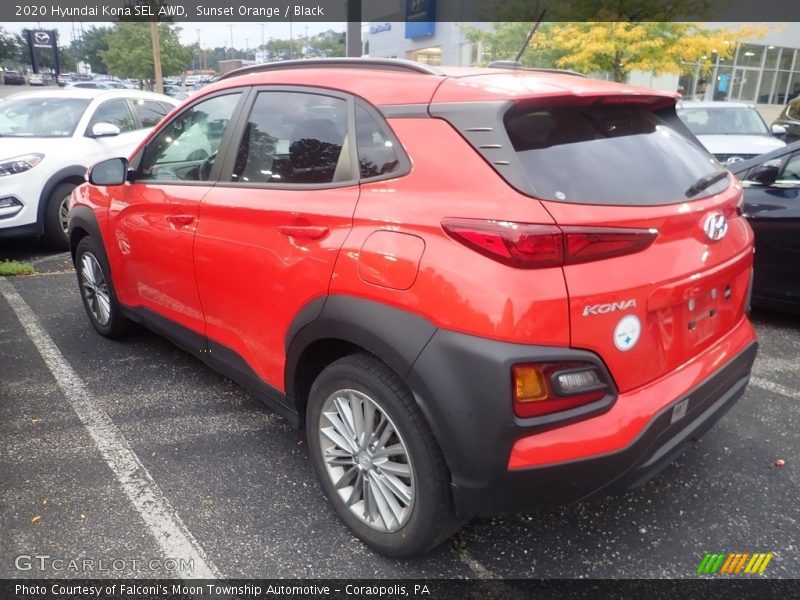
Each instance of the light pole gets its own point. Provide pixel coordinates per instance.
(199, 52)
(231, 26)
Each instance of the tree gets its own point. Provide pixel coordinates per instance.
(613, 47)
(67, 60)
(89, 47)
(618, 48)
(505, 40)
(130, 51)
(8, 46)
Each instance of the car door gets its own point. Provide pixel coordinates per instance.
(153, 217)
(270, 230)
(773, 210)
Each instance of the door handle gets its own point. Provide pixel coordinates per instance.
(309, 232)
(180, 220)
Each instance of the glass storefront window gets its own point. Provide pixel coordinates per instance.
(794, 87)
(772, 57)
(779, 97)
(722, 83)
(750, 55)
(787, 58)
(767, 79)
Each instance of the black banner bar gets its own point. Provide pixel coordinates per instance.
(265, 11)
(718, 588)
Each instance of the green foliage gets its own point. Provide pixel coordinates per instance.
(8, 46)
(88, 49)
(130, 51)
(505, 40)
(67, 60)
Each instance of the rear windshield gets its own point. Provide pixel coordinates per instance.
(614, 155)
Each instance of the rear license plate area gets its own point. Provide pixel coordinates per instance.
(702, 313)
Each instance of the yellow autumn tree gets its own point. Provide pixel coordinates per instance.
(620, 47)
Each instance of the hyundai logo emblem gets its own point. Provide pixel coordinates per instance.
(715, 226)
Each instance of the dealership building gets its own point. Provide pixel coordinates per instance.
(761, 71)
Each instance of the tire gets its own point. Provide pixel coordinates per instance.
(97, 290)
(413, 474)
(55, 234)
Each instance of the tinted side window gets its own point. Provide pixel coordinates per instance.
(149, 112)
(115, 112)
(293, 137)
(791, 170)
(185, 150)
(376, 153)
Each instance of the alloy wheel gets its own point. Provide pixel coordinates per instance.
(95, 289)
(367, 460)
(63, 213)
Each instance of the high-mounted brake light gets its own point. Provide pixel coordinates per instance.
(533, 246)
(632, 99)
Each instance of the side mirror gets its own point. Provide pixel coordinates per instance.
(765, 174)
(113, 171)
(778, 130)
(104, 130)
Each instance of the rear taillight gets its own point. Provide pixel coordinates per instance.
(533, 246)
(544, 388)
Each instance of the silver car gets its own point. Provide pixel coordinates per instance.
(731, 131)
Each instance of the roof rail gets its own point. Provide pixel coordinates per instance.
(386, 64)
(517, 66)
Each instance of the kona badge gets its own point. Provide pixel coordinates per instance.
(715, 226)
(627, 332)
(601, 309)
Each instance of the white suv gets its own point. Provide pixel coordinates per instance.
(47, 141)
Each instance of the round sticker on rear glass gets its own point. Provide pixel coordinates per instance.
(627, 332)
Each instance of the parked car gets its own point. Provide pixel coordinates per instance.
(175, 91)
(47, 141)
(789, 119)
(731, 131)
(772, 206)
(13, 78)
(90, 85)
(459, 337)
(36, 79)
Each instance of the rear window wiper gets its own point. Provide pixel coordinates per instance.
(705, 182)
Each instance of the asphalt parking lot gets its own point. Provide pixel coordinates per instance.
(234, 479)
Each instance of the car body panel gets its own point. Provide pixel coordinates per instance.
(773, 212)
(745, 145)
(272, 274)
(672, 309)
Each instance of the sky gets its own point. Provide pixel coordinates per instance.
(212, 35)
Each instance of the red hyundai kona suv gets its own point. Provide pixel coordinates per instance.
(479, 290)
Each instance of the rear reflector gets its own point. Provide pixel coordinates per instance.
(545, 388)
(534, 246)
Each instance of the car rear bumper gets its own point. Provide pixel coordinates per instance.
(506, 465)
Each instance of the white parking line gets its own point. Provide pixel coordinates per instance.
(771, 386)
(164, 524)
